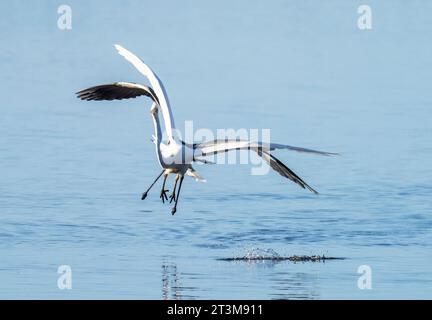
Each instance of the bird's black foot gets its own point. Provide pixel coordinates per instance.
(173, 210)
(172, 197)
(163, 195)
(144, 196)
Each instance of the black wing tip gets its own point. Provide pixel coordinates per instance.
(305, 186)
(313, 190)
(330, 154)
(327, 154)
(85, 94)
(288, 173)
(81, 96)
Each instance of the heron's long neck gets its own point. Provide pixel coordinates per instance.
(157, 128)
(158, 136)
(165, 105)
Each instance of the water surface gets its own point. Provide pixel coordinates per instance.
(71, 172)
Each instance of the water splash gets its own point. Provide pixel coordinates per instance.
(260, 254)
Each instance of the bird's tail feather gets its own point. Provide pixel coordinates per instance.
(192, 173)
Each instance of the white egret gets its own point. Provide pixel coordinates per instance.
(176, 156)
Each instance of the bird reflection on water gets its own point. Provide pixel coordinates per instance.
(285, 279)
(171, 289)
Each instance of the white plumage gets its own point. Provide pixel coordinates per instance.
(174, 155)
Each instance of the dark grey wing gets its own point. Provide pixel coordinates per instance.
(283, 170)
(117, 91)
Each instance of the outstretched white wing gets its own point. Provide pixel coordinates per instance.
(155, 83)
(263, 150)
(217, 146)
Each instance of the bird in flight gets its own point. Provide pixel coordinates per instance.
(174, 155)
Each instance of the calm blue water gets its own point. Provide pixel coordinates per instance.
(71, 172)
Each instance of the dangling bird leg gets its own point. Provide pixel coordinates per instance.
(144, 195)
(163, 194)
(174, 210)
(173, 194)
